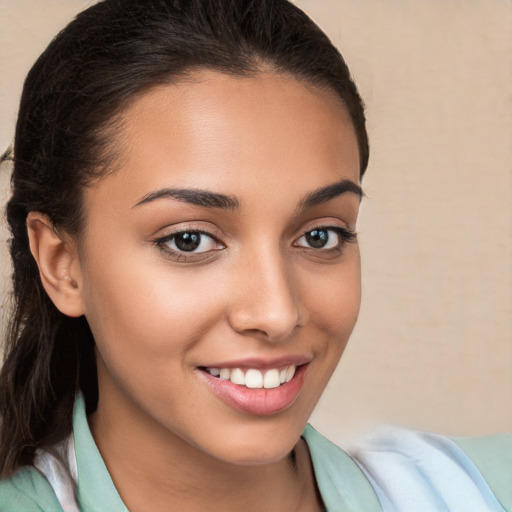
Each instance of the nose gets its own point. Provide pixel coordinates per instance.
(266, 300)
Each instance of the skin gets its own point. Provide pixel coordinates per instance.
(258, 291)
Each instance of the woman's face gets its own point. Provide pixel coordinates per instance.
(222, 250)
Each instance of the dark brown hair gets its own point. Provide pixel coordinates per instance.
(72, 96)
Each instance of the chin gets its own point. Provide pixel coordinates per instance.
(260, 456)
(256, 445)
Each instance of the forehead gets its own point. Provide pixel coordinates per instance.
(216, 130)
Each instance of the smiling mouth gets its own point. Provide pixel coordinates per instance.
(256, 389)
(253, 378)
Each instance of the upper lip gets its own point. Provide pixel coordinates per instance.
(262, 363)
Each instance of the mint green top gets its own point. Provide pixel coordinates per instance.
(358, 483)
(492, 455)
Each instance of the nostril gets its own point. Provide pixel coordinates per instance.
(275, 325)
(266, 302)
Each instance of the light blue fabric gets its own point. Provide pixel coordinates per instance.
(414, 471)
(492, 455)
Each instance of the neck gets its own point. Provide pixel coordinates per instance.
(150, 465)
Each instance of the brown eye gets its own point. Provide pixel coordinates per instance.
(326, 238)
(188, 242)
(323, 238)
(318, 238)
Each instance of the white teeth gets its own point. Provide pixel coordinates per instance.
(290, 372)
(225, 373)
(271, 379)
(253, 378)
(237, 377)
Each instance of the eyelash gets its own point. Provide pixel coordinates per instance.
(345, 236)
(162, 244)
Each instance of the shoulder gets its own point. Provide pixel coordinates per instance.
(412, 469)
(492, 456)
(27, 491)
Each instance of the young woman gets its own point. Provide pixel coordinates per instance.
(186, 188)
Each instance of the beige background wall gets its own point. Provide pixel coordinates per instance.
(433, 347)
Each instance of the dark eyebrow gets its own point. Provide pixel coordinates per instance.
(324, 194)
(195, 196)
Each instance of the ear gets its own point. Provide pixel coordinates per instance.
(59, 267)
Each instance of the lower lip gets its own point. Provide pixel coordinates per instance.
(261, 402)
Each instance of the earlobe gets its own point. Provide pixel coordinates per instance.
(58, 264)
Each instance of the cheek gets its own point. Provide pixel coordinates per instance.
(147, 308)
(335, 299)
(147, 321)
(334, 308)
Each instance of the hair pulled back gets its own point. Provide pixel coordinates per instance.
(71, 99)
